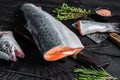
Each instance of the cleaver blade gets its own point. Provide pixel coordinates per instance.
(98, 37)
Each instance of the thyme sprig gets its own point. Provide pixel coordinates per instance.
(92, 74)
(65, 12)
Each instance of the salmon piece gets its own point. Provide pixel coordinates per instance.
(54, 40)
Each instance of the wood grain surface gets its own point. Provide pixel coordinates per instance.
(33, 67)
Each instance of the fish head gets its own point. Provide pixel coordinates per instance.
(9, 48)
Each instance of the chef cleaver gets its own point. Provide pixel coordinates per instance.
(99, 37)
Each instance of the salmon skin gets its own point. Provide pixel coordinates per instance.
(54, 39)
(9, 47)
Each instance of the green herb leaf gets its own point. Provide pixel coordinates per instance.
(65, 12)
(92, 74)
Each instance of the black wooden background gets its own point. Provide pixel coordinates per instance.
(33, 67)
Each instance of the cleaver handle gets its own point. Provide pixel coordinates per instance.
(115, 37)
(89, 60)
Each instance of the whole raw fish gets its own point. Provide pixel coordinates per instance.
(9, 48)
(54, 39)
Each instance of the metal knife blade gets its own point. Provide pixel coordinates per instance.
(98, 37)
